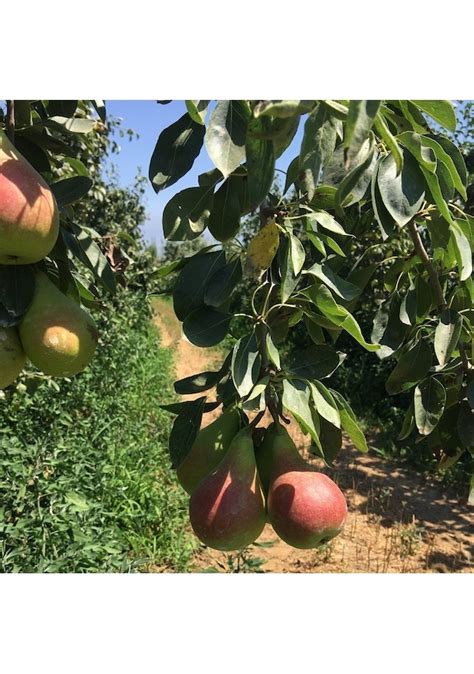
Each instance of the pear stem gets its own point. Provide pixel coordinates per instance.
(10, 121)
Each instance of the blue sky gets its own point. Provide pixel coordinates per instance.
(148, 119)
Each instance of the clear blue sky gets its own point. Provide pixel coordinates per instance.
(148, 119)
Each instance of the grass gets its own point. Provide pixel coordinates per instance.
(85, 483)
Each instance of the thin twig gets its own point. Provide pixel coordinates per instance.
(434, 280)
(10, 121)
(427, 263)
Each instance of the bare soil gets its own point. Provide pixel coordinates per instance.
(399, 521)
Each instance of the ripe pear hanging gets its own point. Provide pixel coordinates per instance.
(58, 336)
(29, 216)
(227, 509)
(12, 356)
(208, 449)
(305, 507)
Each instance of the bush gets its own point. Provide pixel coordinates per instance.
(85, 484)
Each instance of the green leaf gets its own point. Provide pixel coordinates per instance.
(282, 109)
(289, 279)
(429, 401)
(291, 173)
(314, 331)
(317, 242)
(441, 111)
(385, 134)
(287, 131)
(447, 335)
(349, 422)
(384, 220)
(411, 368)
(224, 221)
(17, 287)
(185, 429)
(99, 107)
(297, 253)
(62, 108)
(197, 110)
(315, 362)
(445, 158)
(325, 403)
(360, 119)
(210, 178)
(296, 399)
(246, 364)
(223, 283)
(354, 185)
(327, 221)
(203, 381)
(463, 252)
(339, 315)
(273, 353)
(175, 151)
(72, 124)
(260, 161)
(190, 287)
(402, 193)
(330, 441)
(206, 326)
(331, 243)
(82, 245)
(319, 141)
(186, 215)
(436, 194)
(424, 155)
(77, 165)
(453, 151)
(71, 189)
(417, 302)
(226, 134)
(344, 289)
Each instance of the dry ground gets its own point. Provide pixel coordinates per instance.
(399, 521)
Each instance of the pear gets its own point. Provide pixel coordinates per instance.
(29, 215)
(305, 507)
(227, 509)
(12, 356)
(57, 335)
(208, 449)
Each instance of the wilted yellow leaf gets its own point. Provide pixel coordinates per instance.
(262, 249)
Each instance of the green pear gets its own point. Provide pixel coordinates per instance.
(29, 215)
(305, 507)
(12, 356)
(57, 335)
(208, 449)
(227, 510)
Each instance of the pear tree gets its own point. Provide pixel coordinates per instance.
(386, 171)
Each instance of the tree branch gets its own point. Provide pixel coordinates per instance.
(428, 264)
(10, 121)
(434, 280)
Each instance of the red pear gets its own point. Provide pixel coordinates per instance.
(305, 507)
(29, 216)
(227, 509)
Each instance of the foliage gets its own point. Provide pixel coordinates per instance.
(377, 217)
(85, 484)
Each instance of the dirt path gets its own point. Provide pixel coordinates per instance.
(398, 521)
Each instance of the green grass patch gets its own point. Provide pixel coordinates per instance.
(85, 483)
